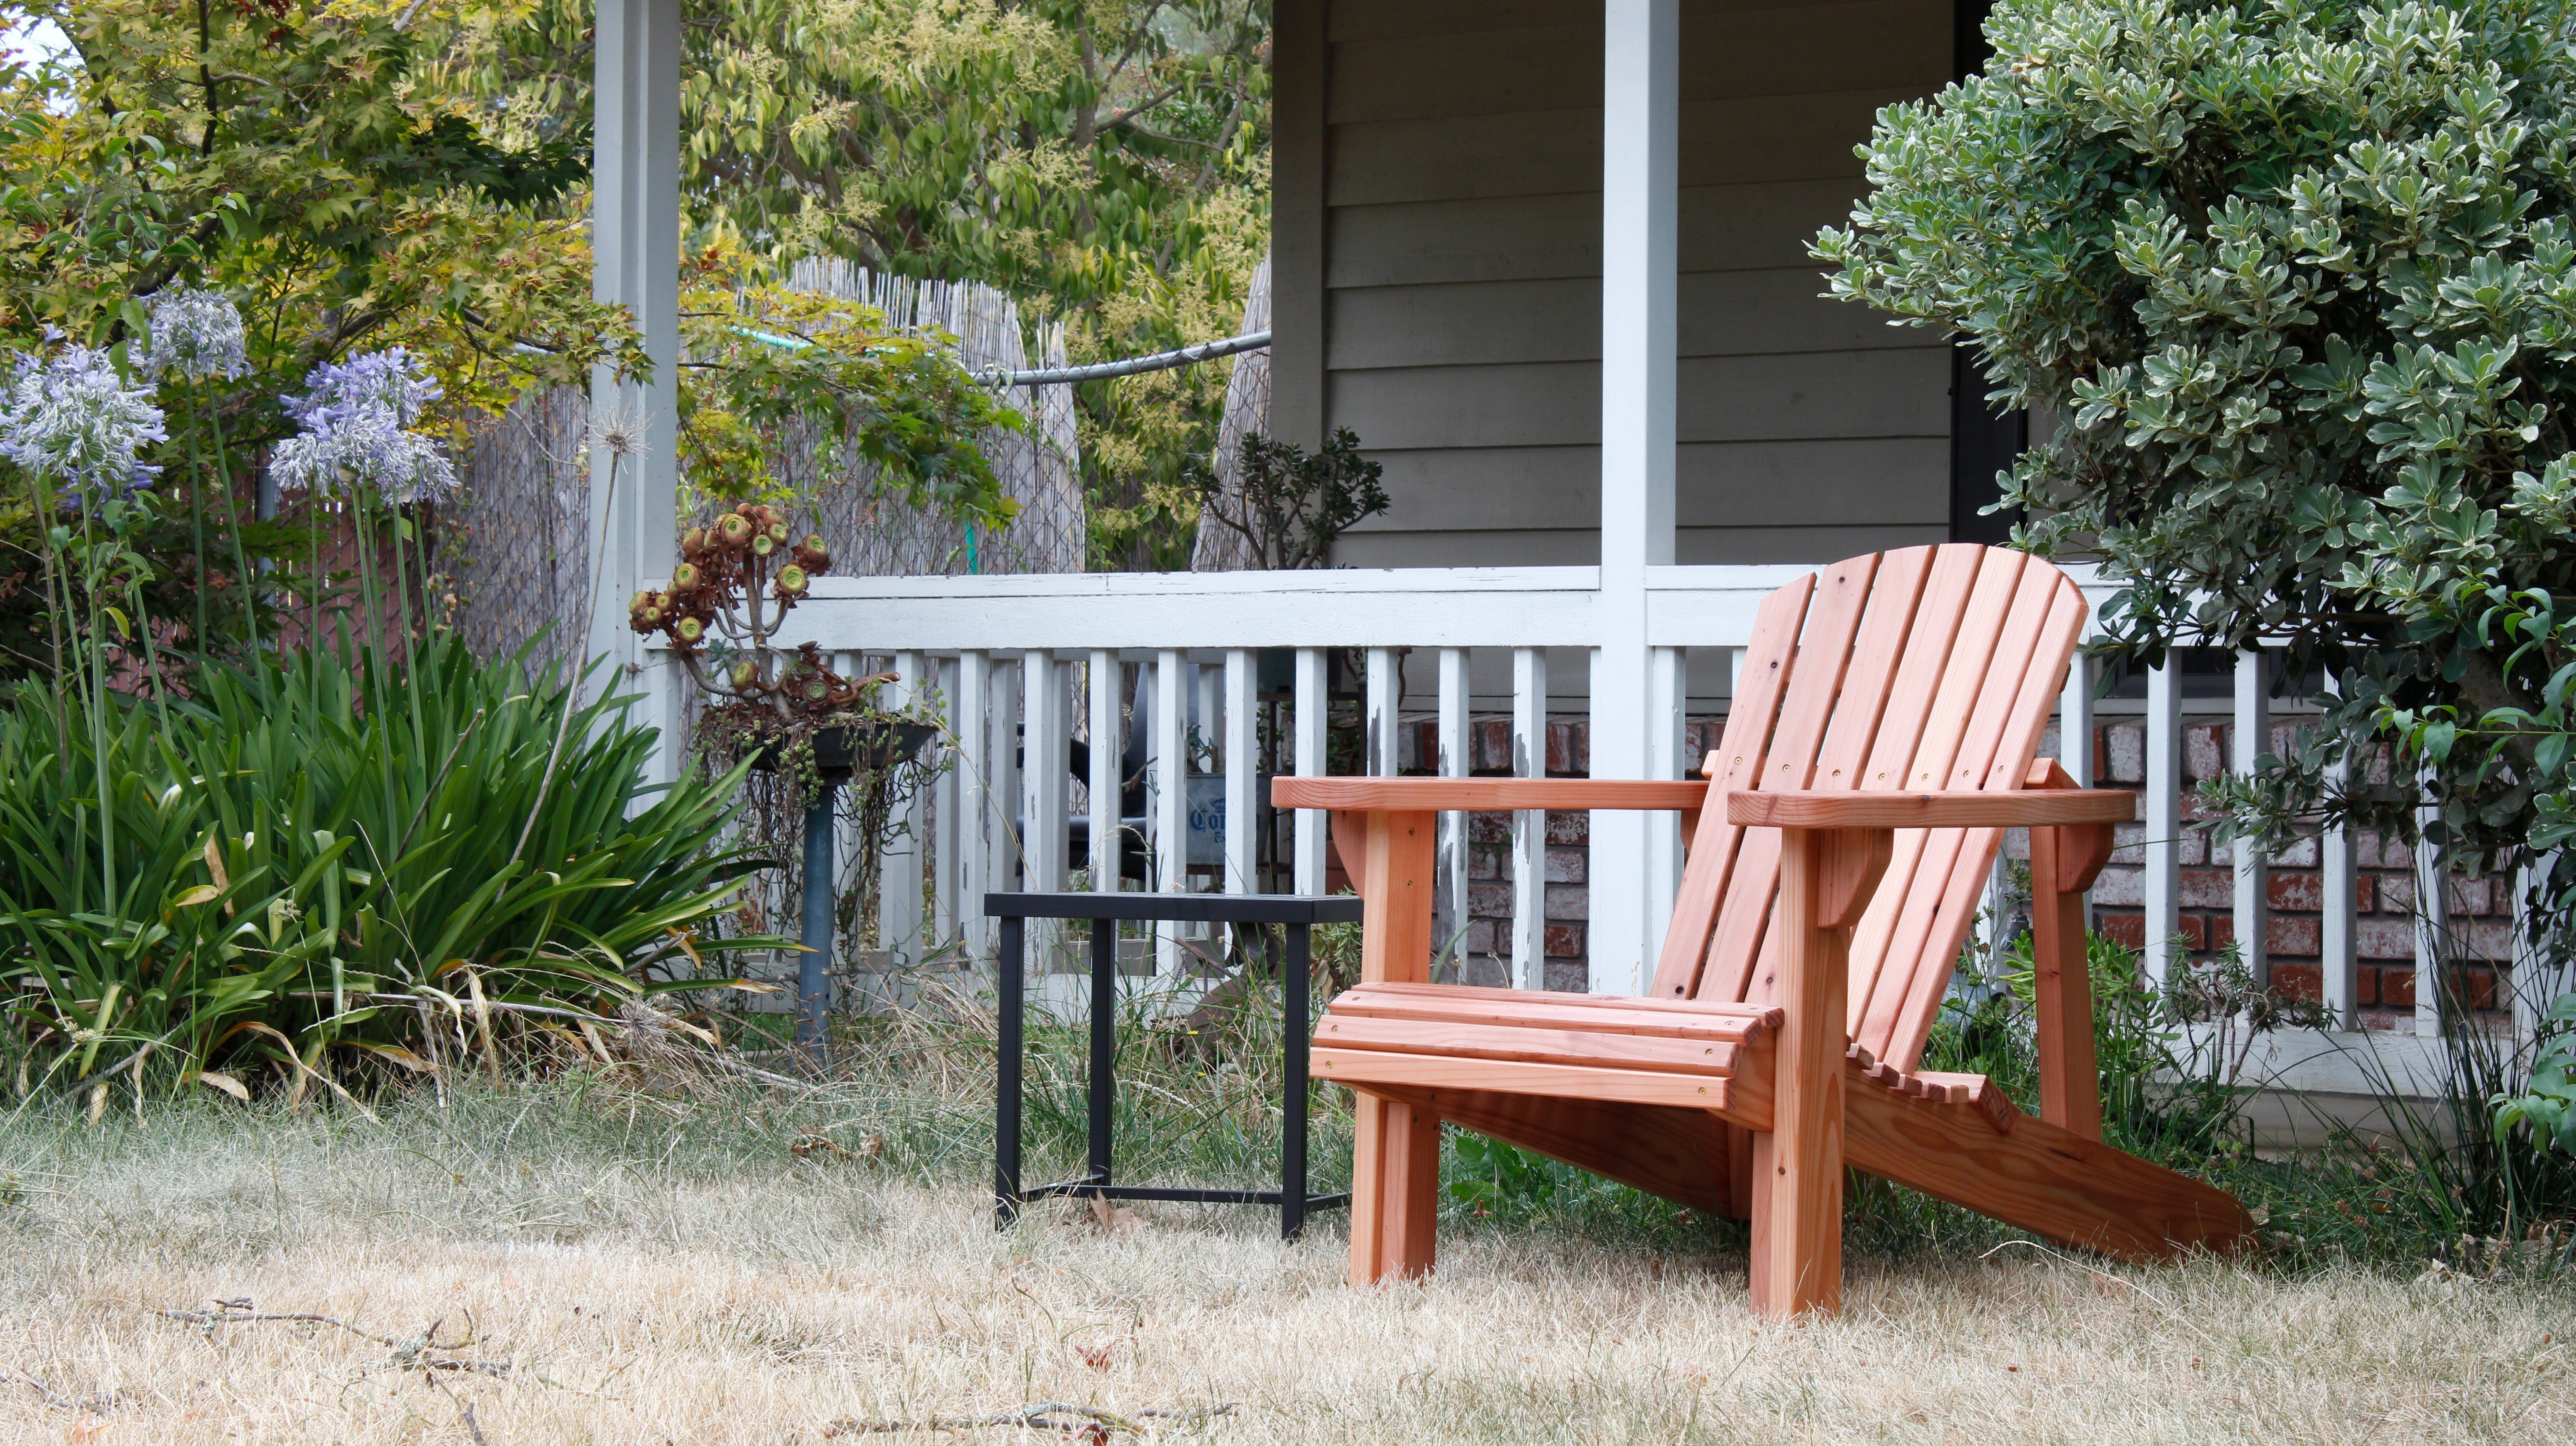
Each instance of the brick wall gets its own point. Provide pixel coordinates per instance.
(2384, 890)
(2481, 909)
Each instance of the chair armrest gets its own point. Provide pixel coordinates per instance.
(2037, 808)
(1440, 795)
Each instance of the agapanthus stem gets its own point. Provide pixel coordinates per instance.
(232, 521)
(99, 754)
(197, 513)
(41, 498)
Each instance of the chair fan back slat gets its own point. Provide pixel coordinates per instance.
(1806, 707)
(2025, 716)
(1735, 764)
(1924, 668)
(1900, 733)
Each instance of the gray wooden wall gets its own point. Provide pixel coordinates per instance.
(1441, 295)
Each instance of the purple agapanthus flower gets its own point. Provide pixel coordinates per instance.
(354, 423)
(71, 418)
(196, 332)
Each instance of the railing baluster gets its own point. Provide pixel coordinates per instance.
(2253, 738)
(1108, 747)
(1310, 719)
(1242, 774)
(1170, 805)
(1002, 823)
(1666, 700)
(1529, 825)
(947, 801)
(2432, 913)
(2338, 958)
(2075, 719)
(1449, 925)
(1382, 701)
(2164, 814)
(974, 801)
(1043, 775)
(899, 865)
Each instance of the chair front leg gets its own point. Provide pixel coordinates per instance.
(1826, 876)
(1395, 1191)
(1395, 1160)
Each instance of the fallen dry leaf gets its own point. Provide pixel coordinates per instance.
(1111, 1218)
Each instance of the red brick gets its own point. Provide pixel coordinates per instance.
(2365, 986)
(2131, 841)
(2128, 929)
(2193, 846)
(2476, 986)
(2123, 753)
(1569, 828)
(2365, 887)
(2397, 893)
(2121, 886)
(2384, 938)
(1489, 828)
(2208, 889)
(1566, 866)
(1569, 749)
(2290, 936)
(2300, 854)
(2491, 939)
(2299, 981)
(1486, 863)
(1564, 941)
(2220, 931)
(2472, 896)
(1491, 742)
(2297, 893)
(2397, 988)
(1491, 901)
(1481, 935)
(1568, 901)
(2204, 753)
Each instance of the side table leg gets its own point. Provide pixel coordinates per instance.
(1104, 1041)
(1006, 1124)
(1292, 1143)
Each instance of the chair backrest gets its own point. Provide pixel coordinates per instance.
(1926, 668)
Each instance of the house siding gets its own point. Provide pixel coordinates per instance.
(1453, 276)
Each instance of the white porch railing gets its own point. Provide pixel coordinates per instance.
(1019, 666)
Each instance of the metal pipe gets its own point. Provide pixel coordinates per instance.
(1127, 366)
(812, 982)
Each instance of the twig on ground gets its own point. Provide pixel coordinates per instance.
(406, 1354)
(65, 1403)
(1043, 1416)
(464, 1409)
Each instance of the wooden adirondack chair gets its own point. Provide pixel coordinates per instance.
(1881, 740)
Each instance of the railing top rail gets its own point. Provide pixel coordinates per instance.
(1467, 607)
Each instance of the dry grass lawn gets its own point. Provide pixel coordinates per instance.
(647, 1285)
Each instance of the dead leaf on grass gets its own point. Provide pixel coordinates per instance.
(1112, 1218)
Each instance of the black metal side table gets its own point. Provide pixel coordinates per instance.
(1298, 912)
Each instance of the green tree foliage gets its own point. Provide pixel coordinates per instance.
(284, 152)
(1107, 161)
(2300, 280)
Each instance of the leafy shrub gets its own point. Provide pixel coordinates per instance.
(317, 866)
(2301, 276)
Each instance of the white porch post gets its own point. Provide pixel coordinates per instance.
(635, 259)
(1640, 170)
